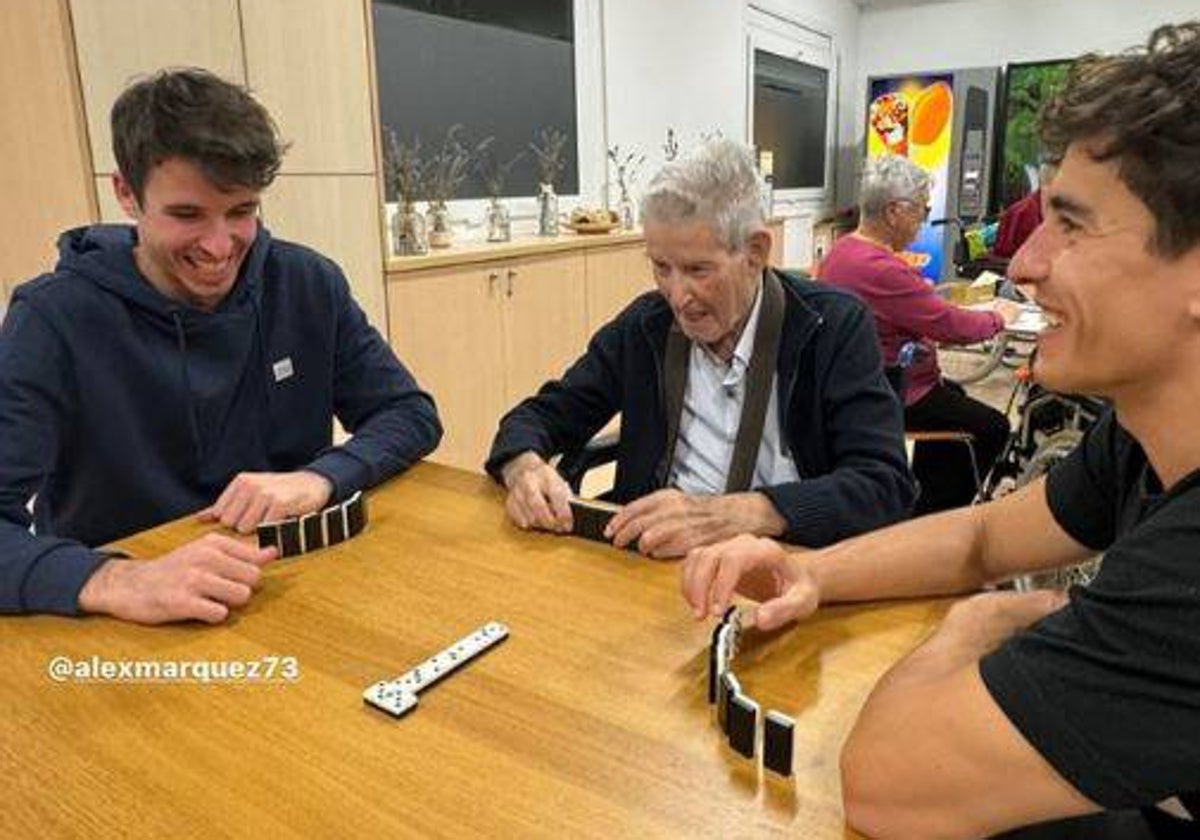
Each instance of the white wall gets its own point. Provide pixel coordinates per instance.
(983, 33)
(682, 64)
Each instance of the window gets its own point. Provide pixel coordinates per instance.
(498, 69)
(791, 110)
(790, 118)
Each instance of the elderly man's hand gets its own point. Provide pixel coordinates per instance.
(756, 567)
(669, 523)
(538, 497)
(253, 498)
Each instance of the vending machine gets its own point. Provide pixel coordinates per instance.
(943, 122)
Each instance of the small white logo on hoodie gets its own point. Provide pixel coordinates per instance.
(283, 369)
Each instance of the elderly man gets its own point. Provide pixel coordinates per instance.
(750, 400)
(1027, 707)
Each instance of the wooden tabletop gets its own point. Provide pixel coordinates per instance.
(591, 720)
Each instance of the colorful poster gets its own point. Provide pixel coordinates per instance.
(913, 116)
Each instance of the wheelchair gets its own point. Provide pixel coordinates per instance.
(1049, 428)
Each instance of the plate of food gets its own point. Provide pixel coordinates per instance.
(584, 220)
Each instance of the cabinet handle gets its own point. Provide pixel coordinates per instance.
(493, 276)
(512, 272)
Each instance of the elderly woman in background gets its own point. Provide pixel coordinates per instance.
(893, 202)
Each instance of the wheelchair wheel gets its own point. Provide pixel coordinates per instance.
(1052, 450)
(970, 363)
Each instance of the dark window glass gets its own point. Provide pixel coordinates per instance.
(499, 69)
(790, 116)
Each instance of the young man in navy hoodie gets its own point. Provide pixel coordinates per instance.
(187, 363)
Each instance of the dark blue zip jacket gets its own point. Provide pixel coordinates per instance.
(839, 417)
(122, 409)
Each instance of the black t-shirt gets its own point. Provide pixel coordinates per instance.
(1108, 688)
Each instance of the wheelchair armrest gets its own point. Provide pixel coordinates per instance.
(573, 466)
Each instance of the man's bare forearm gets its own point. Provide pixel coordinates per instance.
(949, 553)
(934, 555)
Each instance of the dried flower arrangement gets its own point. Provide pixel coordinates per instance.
(549, 154)
(403, 168)
(626, 167)
(448, 167)
(491, 170)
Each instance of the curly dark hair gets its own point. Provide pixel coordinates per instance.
(1142, 110)
(192, 114)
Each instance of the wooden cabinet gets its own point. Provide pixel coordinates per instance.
(544, 324)
(777, 250)
(615, 276)
(482, 336)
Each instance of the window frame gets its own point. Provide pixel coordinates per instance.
(468, 213)
(772, 32)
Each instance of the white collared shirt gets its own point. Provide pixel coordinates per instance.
(712, 412)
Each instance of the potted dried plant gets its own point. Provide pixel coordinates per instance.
(405, 177)
(446, 171)
(548, 150)
(493, 173)
(625, 171)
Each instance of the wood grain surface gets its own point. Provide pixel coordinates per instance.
(589, 721)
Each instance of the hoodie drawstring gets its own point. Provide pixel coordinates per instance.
(193, 423)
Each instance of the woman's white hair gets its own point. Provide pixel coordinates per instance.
(717, 184)
(890, 178)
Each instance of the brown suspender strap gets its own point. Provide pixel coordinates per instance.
(758, 386)
(675, 374)
(759, 378)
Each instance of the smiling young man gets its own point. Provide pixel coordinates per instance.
(1024, 708)
(723, 339)
(188, 362)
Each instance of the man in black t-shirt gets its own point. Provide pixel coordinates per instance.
(1029, 707)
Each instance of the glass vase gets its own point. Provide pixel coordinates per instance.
(498, 221)
(440, 234)
(408, 232)
(627, 211)
(547, 211)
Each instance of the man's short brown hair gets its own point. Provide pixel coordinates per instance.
(192, 114)
(1142, 110)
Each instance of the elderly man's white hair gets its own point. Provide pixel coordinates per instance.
(716, 184)
(890, 178)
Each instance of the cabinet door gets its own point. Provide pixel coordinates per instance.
(307, 61)
(119, 39)
(445, 327)
(615, 276)
(44, 167)
(545, 328)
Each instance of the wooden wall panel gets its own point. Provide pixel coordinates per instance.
(117, 40)
(307, 61)
(45, 184)
(338, 216)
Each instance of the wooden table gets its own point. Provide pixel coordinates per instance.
(589, 721)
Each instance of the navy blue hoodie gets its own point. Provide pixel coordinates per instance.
(122, 409)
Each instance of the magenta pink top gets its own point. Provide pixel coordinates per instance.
(906, 308)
